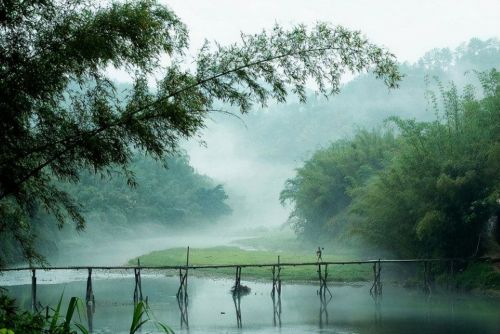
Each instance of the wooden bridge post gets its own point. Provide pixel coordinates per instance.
(325, 280)
(323, 288)
(237, 296)
(89, 295)
(427, 278)
(276, 279)
(186, 279)
(182, 295)
(33, 290)
(276, 288)
(236, 292)
(376, 289)
(237, 282)
(180, 283)
(183, 278)
(273, 291)
(138, 284)
(279, 279)
(90, 300)
(320, 281)
(379, 278)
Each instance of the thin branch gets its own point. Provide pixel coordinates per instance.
(94, 132)
(73, 141)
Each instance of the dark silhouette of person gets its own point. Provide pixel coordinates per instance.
(318, 254)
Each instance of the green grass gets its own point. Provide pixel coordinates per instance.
(276, 241)
(234, 255)
(480, 276)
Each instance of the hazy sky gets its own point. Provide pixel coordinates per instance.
(408, 28)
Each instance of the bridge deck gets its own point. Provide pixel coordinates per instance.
(254, 265)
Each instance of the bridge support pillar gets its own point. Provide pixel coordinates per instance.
(183, 278)
(427, 278)
(138, 284)
(323, 289)
(276, 280)
(323, 277)
(182, 295)
(376, 289)
(276, 292)
(237, 281)
(33, 290)
(90, 300)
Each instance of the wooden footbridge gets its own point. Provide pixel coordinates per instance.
(238, 290)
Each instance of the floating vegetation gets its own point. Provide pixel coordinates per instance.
(241, 290)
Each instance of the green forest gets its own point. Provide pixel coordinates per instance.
(414, 188)
(167, 193)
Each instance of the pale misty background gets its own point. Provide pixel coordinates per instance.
(253, 175)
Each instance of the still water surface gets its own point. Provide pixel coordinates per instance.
(211, 307)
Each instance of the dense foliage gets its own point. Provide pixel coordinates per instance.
(431, 192)
(323, 187)
(50, 131)
(56, 321)
(175, 197)
(12, 320)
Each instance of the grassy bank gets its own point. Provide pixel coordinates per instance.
(265, 247)
(479, 276)
(235, 255)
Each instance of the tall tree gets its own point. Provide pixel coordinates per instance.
(323, 188)
(61, 113)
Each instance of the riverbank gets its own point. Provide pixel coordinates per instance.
(479, 277)
(224, 255)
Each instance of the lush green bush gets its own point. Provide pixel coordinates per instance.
(324, 187)
(11, 319)
(478, 276)
(14, 321)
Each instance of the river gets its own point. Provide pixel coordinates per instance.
(211, 308)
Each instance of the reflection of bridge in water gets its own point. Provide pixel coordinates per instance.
(238, 291)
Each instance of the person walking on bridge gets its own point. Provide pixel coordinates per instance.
(319, 253)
